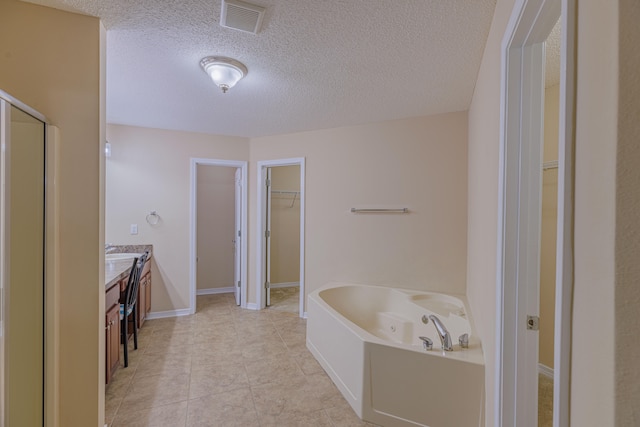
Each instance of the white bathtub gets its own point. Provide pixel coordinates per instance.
(366, 339)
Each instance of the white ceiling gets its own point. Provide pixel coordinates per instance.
(315, 64)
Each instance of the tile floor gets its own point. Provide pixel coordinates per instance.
(225, 366)
(545, 401)
(285, 299)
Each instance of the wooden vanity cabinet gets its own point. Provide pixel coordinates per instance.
(112, 330)
(115, 293)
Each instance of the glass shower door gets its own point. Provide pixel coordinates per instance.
(22, 228)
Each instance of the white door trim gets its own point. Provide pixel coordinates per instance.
(519, 203)
(260, 226)
(237, 234)
(242, 165)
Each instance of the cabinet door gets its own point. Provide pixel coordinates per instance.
(142, 301)
(113, 340)
(147, 307)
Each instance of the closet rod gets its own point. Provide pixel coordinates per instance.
(284, 192)
(380, 210)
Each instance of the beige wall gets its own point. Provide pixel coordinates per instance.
(51, 61)
(603, 289)
(484, 144)
(607, 226)
(160, 161)
(285, 225)
(548, 227)
(216, 226)
(422, 250)
(592, 367)
(419, 163)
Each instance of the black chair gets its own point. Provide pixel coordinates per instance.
(129, 308)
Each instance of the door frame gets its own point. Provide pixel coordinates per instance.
(237, 233)
(260, 225)
(50, 256)
(242, 165)
(519, 193)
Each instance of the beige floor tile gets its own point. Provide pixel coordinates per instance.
(170, 343)
(343, 416)
(232, 408)
(288, 321)
(134, 355)
(326, 391)
(164, 364)
(155, 390)
(307, 363)
(296, 419)
(172, 415)
(251, 329)
(545, 401)
(263, 349)
(295, 396)
(225, 366)
(215, 321)
(208, 354)
(213, 379)
(223, 336)
(111, 406)
(295, 342)
(285, 299)
(120, 383)
(282, 369)
(170, 323)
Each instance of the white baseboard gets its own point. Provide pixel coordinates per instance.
(545, 370)
(169, 313)
(252, 306)
(213, 291)
(284, 285)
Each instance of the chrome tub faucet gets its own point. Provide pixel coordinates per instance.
(443, 333)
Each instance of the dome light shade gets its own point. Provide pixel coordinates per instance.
(225, 72)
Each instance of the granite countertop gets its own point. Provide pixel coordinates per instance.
(116, 270)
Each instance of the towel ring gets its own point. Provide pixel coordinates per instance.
(153, 218)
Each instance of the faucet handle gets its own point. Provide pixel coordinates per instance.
(427, 343)
(464, 340)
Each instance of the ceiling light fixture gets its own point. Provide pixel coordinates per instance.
(225, 72)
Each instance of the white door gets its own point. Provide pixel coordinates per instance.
(237, 241)
(267, 236)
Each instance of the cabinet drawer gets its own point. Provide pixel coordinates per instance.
(112, 296)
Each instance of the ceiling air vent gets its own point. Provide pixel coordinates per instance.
(241, 16)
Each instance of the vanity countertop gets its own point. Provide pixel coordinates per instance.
(116, 270)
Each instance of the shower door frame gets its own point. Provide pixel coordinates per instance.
(50, 316)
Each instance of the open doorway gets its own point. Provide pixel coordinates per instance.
(216, 242)
(548, 227)
(218, 257)
(280, 257)
(520, 211)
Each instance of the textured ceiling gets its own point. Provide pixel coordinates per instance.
(552, 53)
(315, 64)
